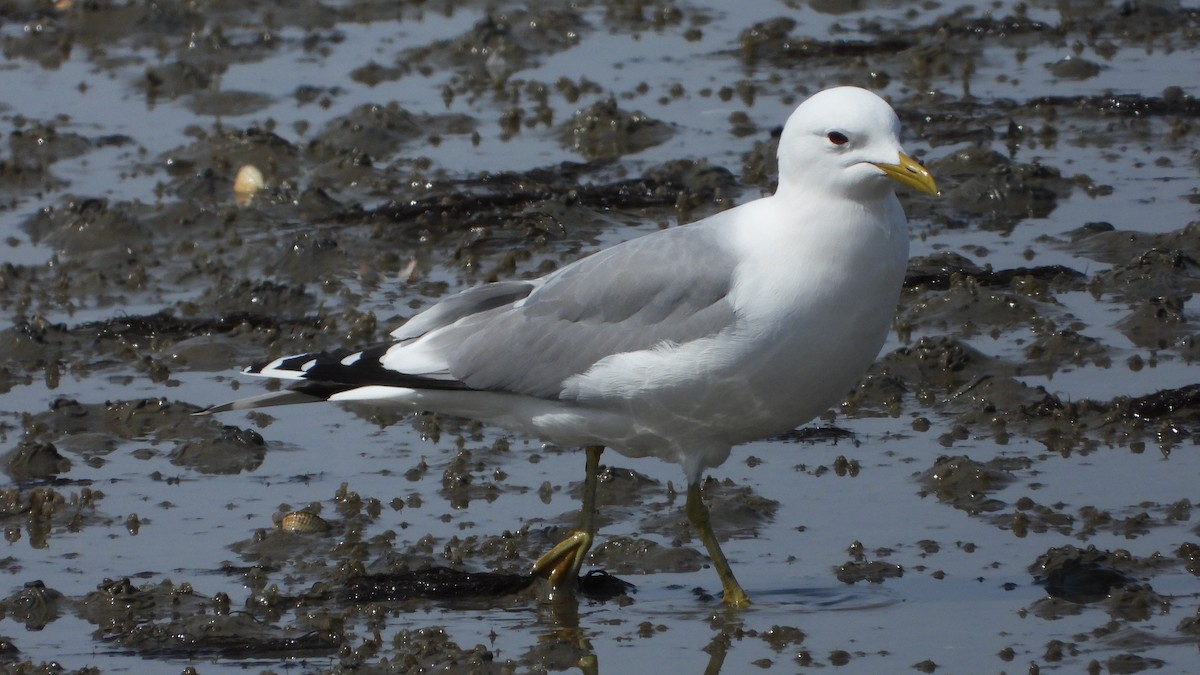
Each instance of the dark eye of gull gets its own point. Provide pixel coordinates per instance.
(837, 138)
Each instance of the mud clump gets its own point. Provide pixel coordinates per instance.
(1168, 419)
(46, 512)
(165, 620)
(619, 486)
(942, 363)
(432, 649)
(772, 41)
(1157, 323)
(234, 451)
(435, 583)
(232, 637)
(996, 192)
(1156, 273)
(94, 227)
(966, 307)
(604, 132)
(375, 132)
(966, 483)
(875, 572)
(1074, 68)
(497, 46)
(117, 602)
(1079, 578)
(633, 555)
(940, 271)
(35, 605)
(1067, 346)
(482, 216)
(205, 169)
(35, 460)
(1173, 103)
(94, 429)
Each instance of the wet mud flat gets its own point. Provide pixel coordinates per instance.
(1010, 489)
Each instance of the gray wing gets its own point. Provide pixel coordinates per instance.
(671, 286)
(466, 303)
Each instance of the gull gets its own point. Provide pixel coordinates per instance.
(679, 344)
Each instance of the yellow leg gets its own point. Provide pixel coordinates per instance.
(697, 513)
(560, 565)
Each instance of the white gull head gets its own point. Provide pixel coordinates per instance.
(845, 142)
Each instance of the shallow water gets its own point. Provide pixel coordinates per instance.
(126, 126)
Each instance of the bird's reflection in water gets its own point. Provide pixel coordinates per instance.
(564, 643)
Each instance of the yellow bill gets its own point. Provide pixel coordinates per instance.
(909, 172)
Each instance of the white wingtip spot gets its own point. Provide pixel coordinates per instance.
(272, 369)
(378, 393)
